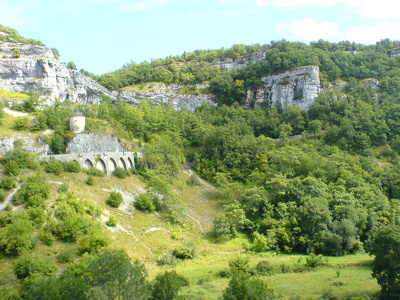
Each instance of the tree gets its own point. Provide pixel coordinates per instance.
(17, 53)
(71, 65)
(385, 245)
(17, 237)
(167, 285)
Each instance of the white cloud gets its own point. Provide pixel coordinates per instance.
(223, 13)
(308, 30)
(367, 34)
(233, 2)
(236, 12)
(373, 9)
(146, 4)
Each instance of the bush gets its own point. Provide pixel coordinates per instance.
(168, 260)
(145, 203)
(115, 199)
(67, 255)
(112, 221)
(93, 243)
(33, 186)
(265, 268)
(73, 167)
(29, 264)
(63, 187)
(95, 172)
(90, 181)
(3, 195)
(193, 180)
(183, 252)
(54, 166)
(21, 123)
(17, 53)
(8, 182)
(121, 173)
(314, 261)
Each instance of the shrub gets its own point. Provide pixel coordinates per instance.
(183, 252)
(3, 195)
(314, 261)
(54, 166)
(93, 243)
(21, 123)
(8, 182)
(145, 203)
(112, 221)
(95, 172)
(90, 181)
(121, 173)
(193, 180)
(29, 264)
(265, 268)
(67, 255)
(168, 260)
(63, 187)
(73, 166)
(17, 53)
(33, 186)
(115, 199)
(47, 237)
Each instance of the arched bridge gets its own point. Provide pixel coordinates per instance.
(107, 162)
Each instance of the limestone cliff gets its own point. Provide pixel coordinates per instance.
(299, 87)
(167, 94)
(37, 70)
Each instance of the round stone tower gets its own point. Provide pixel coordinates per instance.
(77, 122)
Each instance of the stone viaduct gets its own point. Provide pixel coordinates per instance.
(107, 162)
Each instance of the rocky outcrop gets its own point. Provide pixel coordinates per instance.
(93, 143)
(298, 87)
(167, 94)
(237, 64)
(394, 52)
(37, 70)
(27, 141)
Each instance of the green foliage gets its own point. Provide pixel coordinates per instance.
(183, 252)
(54, 166)
(115, 199)
(3, 195)
(112, 221)
(90, 181)
(34, 186)
(385, 246)
(21, 123)
(314, 261)
(73, 167)
(166, 286)
(264, 268)
(243, 287)
(30, 265)
(93, 242)
(57, 144)
(8, 182)
(71, 65)
(17, 237)
(17, 38)
(95, 172)
(121, 173)
(63, 187)
(16, 53)
(145, 202)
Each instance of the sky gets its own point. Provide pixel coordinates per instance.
(101, 36)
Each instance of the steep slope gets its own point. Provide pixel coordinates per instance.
(26, 67)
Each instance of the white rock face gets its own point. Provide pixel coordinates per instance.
(299, 87)
(166, 94)
(37, 70)
(237, 64)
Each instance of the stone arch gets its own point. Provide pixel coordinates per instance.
(101, 165)
(87, 164)
(123, 163)
(112, 165)
(130, 163)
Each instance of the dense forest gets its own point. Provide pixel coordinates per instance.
(334, 191)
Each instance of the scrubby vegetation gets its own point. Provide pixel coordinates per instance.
(332, 193)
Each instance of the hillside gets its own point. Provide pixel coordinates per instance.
(220, 201)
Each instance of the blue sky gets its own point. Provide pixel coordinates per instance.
(102, 35)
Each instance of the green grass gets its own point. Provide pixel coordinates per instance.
(13, 96)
